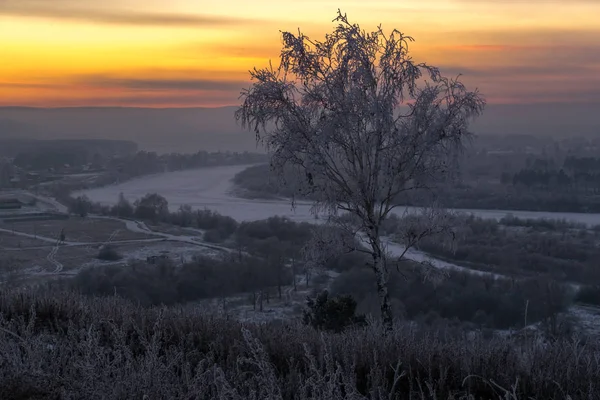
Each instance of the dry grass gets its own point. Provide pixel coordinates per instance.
(79, 229)
(69, 257)
(10, 241)
(30, 258)
(174, 230)
(61, 345)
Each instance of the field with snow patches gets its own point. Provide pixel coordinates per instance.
(211, 188)
(30, 251)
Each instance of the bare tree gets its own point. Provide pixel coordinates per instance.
(361, 122)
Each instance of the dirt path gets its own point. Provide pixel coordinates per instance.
(51, 259)
(133, 226)
(141, 227)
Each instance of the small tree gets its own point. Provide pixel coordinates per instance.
(152, 207)
(349, 115)
(108, 253)
(331, 313)
(123, 208)
(81, 206)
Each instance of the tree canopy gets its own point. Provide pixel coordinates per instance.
(361, 121)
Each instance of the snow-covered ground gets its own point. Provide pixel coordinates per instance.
(211, 188)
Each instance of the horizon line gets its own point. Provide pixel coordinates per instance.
(534, 103)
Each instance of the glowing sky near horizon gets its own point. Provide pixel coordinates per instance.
(170, 53)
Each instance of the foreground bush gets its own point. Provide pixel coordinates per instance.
(109, 253)
(60, 345)
(331, 313)
(165, 284)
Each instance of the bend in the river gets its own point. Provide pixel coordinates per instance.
(211, 188)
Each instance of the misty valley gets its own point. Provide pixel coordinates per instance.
(216, 233)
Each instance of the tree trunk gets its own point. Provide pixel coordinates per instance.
(382, 277)
(382, 292)
(224, 305)
(294, 275)
(279, 271)
(307, 273)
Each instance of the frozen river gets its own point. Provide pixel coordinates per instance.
(210, 188)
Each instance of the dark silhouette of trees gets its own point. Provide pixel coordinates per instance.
(579, 174)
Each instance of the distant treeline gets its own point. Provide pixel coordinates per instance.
(580, 174)
(39, 155)
(122, 162)
(144, 163)
(29, 149)
(260, 182)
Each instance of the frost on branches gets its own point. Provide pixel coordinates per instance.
(360, 122)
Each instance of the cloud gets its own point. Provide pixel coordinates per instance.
(523, 38)
(264, 48)
(492, 47)
(577, 52)
(581, 62)
(526, 2)
(72, 10)
(22, 85)
(129, 100)
(149, 84)
(521, 71)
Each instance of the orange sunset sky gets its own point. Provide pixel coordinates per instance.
(183, 53)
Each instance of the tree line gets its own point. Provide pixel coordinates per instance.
(576, 173)
(144, 163)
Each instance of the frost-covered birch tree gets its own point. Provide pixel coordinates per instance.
(360, 122)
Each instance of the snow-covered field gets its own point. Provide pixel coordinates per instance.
(211, 188)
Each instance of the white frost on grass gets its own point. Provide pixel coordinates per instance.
(588, 318)
(211, 188)
(173, 251)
